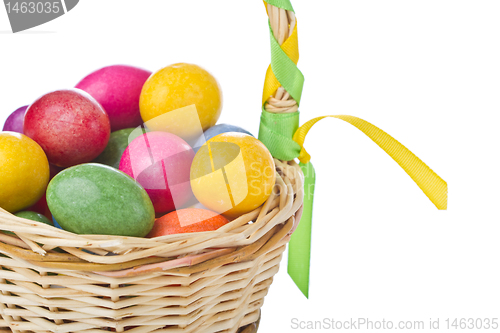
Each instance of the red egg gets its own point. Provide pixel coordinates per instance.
(187, 220)
(161, 163)
(41, 206)
(69, 125)
(117, 88)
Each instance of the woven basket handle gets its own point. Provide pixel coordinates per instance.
(283, 23)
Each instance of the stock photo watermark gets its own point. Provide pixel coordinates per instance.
(24, 15)
(363, 323)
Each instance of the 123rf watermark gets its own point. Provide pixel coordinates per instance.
(463, 324)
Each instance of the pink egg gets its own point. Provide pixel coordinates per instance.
(161, 163)
(69, 125)
(117, 88)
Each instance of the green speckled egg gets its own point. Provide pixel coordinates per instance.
(98, 199)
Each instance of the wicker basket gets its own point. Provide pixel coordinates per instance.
(57, 281)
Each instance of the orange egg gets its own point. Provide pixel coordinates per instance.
(187, 220)
(233, 174)
(24, 171)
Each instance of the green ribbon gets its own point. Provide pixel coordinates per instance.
(299, 249)
(276, 132)
(285, 70)
(285, 4)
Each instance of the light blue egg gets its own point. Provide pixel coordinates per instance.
(216, 130)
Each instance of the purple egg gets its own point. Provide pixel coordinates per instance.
(117, 88)
(16, 120)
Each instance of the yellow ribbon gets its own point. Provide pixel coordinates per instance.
(434, 187)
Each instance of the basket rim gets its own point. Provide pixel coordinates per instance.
(243, 231)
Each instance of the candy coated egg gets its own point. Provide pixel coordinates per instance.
(25, 214)
(14, 122)
(187, 220)
(118, 142)
(181, 86)
(216, 130)
(117, 88)
(233, 174)
(24, 171)
(98, 199)
(70, 126)
(160, 162)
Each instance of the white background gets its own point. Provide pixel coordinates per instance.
(426, 72)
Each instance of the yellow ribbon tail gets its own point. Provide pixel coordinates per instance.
(433, 186)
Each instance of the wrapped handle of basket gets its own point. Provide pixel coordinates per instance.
(280, 132)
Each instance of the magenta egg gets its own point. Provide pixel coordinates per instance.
(14, 122)
(161, 163)
(69, 125)
(117, 88)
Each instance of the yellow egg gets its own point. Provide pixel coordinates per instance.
(24, 171)
(182, 99)
(233, 174)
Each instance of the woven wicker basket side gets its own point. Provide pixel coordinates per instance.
(56, 281)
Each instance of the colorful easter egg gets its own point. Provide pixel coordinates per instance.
(187, 220)
(233, 174)
(117, 88)
(25, 214)
(98, 199)
(216, 130)
(15, 121)
(69, 125)
(118, 142)
(160, 162)
(182, 99)
(24, 171)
